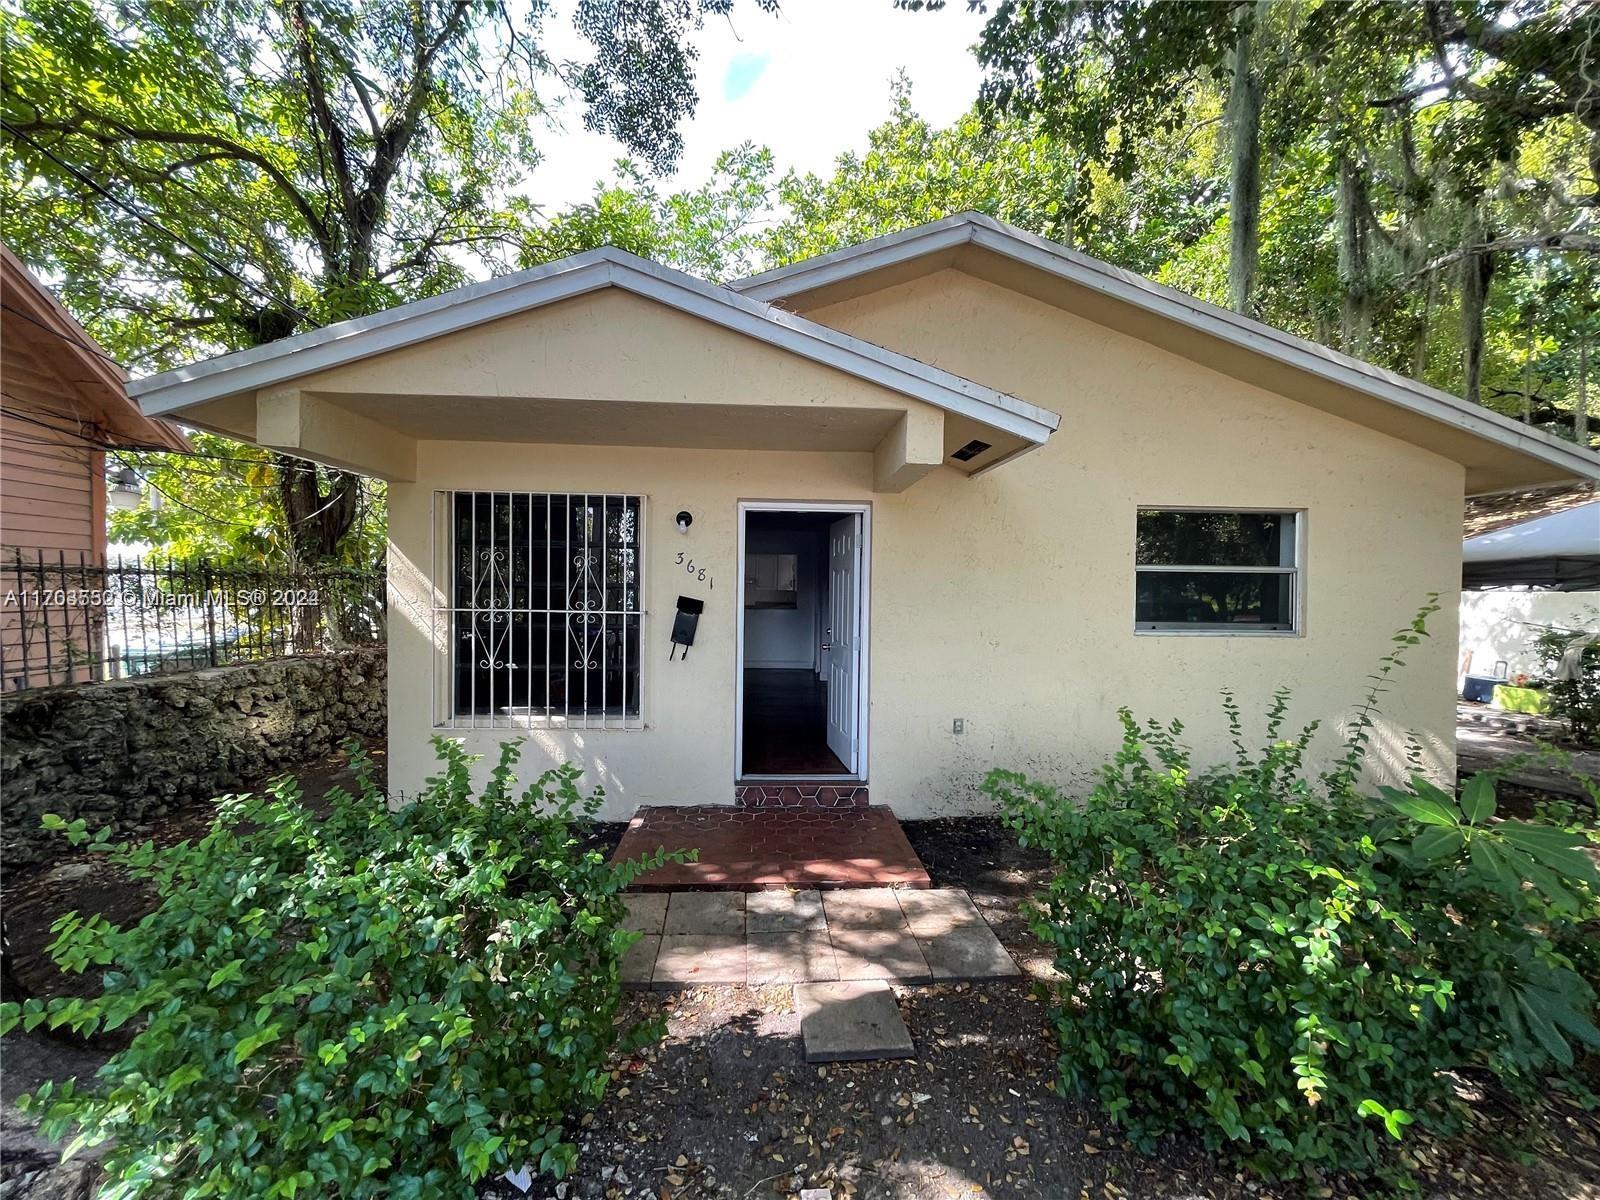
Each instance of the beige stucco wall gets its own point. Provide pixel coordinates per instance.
(1006, 600)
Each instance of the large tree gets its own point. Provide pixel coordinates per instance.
(222, 173)
(1396, 173)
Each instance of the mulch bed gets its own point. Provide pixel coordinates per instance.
(726, 1107)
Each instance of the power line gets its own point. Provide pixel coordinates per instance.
(147, 219)
(275, 464)
(212, 517)
(68, 338)
(92, 443)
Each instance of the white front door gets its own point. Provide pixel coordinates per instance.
(842, 638)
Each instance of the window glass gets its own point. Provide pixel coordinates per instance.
(1225, 598)
(545, 604)
(1215, 539)
(1231, 572)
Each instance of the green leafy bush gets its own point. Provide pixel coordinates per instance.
(1292, 971)
(362, 1003)
(1576, 699)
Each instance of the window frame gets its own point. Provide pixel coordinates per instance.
(1296, 573)
(446, 612)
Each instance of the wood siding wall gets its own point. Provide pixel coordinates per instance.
(52, 499)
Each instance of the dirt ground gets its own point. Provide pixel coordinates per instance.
(725, 1107)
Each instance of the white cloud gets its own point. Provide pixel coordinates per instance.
(826, 83)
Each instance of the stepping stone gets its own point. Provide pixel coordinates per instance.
(638, 965)
(695, 958)
(863, 908)
(704, 912)
(967, 952)
(798, 957)
(846, 1022)
(932, 911)
(646, 911)
(778, 910)
(878, 954)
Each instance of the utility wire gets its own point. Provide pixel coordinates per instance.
(66, 337)
(147, 219)
(226, 520)
(91, 443)
(113, 447)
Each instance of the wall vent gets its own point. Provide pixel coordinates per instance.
(970, 451)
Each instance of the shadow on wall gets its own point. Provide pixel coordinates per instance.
(1495, 626)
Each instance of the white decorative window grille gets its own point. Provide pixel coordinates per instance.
(1217, 571)
(540, 607)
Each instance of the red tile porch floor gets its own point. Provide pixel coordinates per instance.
(745, 850)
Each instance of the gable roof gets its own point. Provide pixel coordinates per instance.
(98, 385)
(897, 257)
(577, 275)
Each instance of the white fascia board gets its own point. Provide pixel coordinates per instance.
(350, 341)
(362, 337)
(874, 254)
(1114, 283)
(823, 344)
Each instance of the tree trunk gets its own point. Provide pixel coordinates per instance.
(1580, 409)
(1476, 272)
(1355, 265)
(1244, 154)
(1419, 348)
(318, 517)
(318, 520)
(1527, 383)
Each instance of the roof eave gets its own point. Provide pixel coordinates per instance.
(1114, 283)
(349, 341)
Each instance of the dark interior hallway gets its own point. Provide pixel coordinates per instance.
(785, 724)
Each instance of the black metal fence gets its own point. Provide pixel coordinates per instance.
(66, 617)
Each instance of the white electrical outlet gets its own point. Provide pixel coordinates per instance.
(959, 725)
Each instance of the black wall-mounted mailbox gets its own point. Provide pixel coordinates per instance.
(683, 625)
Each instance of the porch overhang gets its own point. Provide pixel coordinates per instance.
(599, 349)
(379, 434)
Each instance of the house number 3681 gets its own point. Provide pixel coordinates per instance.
(699, 573)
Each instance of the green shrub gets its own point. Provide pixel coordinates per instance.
(1576, 699)
(362, 1003)
(1290, 971)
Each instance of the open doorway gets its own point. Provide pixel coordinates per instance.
(802, 651)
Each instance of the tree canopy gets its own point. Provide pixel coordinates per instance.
(1412, 183)
(219, 174)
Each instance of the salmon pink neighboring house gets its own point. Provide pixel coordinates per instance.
(65, 402)
(882, 519)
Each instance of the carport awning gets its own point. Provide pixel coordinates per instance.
(1559, 550)
(601, 348)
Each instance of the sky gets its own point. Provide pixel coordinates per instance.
(808, 82)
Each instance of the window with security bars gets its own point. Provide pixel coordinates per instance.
(543, 608)
(1217, 571)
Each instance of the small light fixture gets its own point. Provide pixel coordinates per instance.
(124, 490)
(685, 519)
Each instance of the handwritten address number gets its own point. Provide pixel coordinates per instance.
(700, 573)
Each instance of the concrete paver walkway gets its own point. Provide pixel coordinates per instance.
(851, 1022)
(908, 936)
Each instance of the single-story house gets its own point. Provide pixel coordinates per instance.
(66, 403)
(881, 519)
